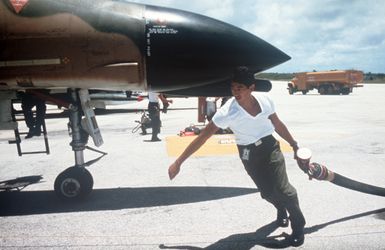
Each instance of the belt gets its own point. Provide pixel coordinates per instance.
(265, 141)
(262, 147)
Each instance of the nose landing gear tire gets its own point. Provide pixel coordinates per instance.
(74, 183)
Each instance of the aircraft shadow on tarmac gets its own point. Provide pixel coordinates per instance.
(261, 237)
(45, 202)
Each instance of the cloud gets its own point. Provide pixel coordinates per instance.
(219, 9)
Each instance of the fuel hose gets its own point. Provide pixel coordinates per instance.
(322, 173)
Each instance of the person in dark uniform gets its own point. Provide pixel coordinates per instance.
(34, 124)
(154, 113)
(252, 118)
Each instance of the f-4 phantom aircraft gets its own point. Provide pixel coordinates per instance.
(78, 45)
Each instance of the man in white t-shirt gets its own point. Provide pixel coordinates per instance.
(252, 118)
(154, 113)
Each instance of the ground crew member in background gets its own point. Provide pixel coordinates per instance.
(154, 112)
(252, 118)
(211, 107)
(28, 101)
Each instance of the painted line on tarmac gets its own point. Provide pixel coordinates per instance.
(216, 145)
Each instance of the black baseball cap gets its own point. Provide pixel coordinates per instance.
(244, 76)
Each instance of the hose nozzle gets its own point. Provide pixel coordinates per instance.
(314, 170)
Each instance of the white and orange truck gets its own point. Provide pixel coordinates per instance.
(333, 82)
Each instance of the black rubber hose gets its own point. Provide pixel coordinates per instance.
(358, 186)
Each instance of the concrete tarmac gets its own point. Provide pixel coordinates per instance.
(212, 203)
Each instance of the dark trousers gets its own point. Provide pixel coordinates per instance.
(27, 103)
(154, 114)
(265, 164)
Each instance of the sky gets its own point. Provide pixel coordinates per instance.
(317, 34)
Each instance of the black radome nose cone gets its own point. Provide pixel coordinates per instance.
(184, 49)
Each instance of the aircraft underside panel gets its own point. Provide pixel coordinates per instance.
(58, 44)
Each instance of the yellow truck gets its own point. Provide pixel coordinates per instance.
(326, 82)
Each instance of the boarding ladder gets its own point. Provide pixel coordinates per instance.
(18, 115)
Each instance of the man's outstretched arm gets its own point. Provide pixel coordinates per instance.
(205, 134)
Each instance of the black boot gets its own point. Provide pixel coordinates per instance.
(37, 131)
(297, 238)
(155, 138)
(30, 134)
(298, 222)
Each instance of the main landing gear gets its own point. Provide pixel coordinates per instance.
(76, 182)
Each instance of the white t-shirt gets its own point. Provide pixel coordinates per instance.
(153, 97)
(247, 128)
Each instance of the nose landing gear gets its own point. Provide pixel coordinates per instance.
(76, 182)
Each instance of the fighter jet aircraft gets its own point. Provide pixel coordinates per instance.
(80, 45)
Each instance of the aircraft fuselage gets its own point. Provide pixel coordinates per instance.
(106, 44)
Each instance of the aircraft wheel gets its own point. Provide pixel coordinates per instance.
(322, 90)
(330, 90)
(291, 88)
(345, 91)
(74, 183)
